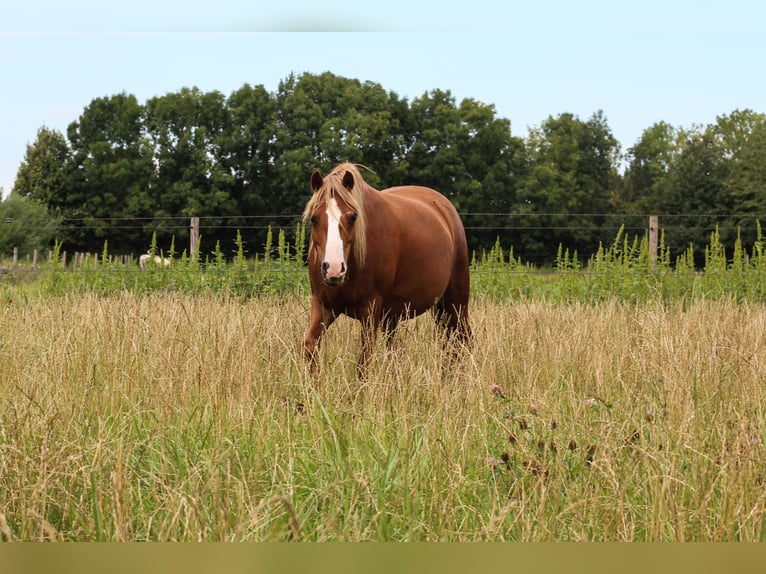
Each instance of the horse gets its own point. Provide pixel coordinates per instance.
(381, 257)
(147, 257)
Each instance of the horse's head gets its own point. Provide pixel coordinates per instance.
(334, 214)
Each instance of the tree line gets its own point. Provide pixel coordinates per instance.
(126, 170)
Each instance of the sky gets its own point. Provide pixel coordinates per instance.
(682, 62)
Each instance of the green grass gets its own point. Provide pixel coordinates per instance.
(623, 270)
(178, 416)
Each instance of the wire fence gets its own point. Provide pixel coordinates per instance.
(513, 221)
(630, 265)
(607, 224)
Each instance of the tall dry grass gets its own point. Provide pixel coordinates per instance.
(178, 417)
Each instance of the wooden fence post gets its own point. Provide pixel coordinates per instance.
(193, 238)
(654, 232)
(15, 257)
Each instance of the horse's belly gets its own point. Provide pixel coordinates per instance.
(415, 302)
(417, 286)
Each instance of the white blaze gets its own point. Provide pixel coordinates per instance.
(333, 251)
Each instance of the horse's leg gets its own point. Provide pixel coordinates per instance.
(452, 320)
(451, 311)
(371, 320)
(388, 325)
(455, 299)
(369, 335)
(321, 319)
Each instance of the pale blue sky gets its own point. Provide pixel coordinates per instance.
(684, 62)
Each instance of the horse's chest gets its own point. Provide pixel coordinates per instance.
(342, 300)
(359, 304)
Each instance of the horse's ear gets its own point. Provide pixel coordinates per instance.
(348, 180)
(316, 181)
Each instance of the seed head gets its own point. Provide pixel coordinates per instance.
(590, 454)
(494, 462)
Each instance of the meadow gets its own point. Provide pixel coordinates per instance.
(612, 405)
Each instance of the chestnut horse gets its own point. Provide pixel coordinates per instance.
(381, 257)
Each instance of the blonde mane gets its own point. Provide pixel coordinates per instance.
(332, 185)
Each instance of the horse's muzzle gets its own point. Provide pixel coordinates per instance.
(333, 277)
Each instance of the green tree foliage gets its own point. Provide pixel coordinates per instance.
(111, 169)
(246, 155)
(189, 132)
(569, 184)
(699, 180)
(649, 162)
(747, 179)
(43, 174)
(323, 120)
(693, 194)
(26, 224)
(469, 155)
(740, 139)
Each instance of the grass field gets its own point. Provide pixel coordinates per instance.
(173, 416)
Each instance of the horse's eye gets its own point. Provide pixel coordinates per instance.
(314, 220)
(352, 218)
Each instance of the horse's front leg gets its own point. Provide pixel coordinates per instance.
(321, 319)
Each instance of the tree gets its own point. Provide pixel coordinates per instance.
(649, 162)
(188, 132)
(111, 173)
(26, 224)
(42, 175)
(469, 155)
(322, 120)
(715, 180)
(246, 154)
(693, 192)
(740, 139)
(747, 179)
(568, 187)
(433, 158)
(732, 132)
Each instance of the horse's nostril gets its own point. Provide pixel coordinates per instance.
(325, 267)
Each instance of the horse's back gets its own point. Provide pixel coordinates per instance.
(418, 194)
(429, 209)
